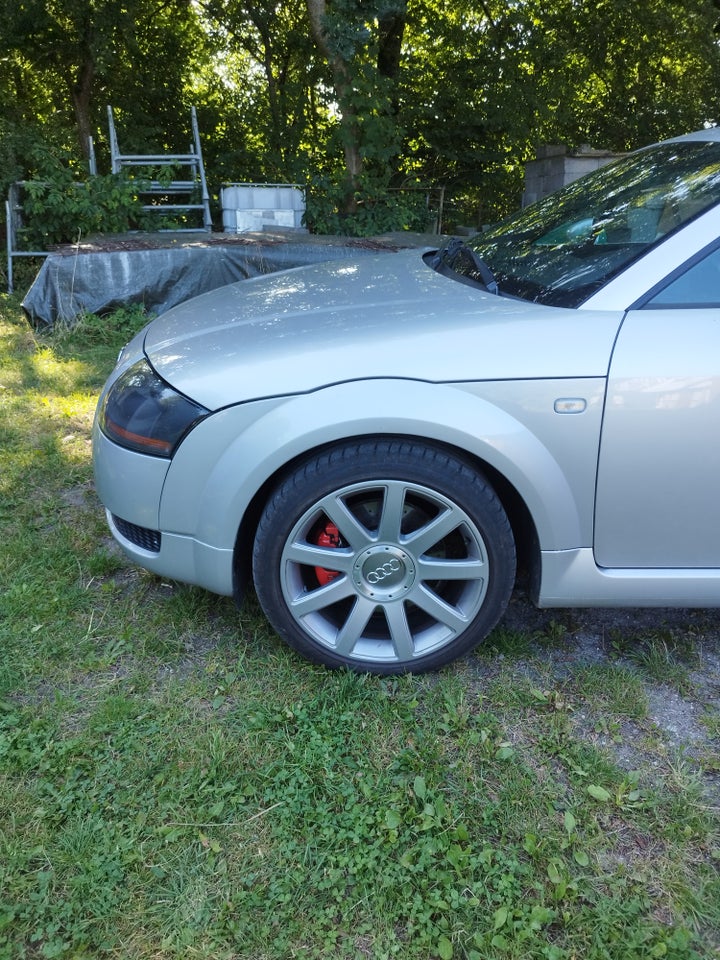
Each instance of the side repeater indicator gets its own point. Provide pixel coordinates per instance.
(570, 405)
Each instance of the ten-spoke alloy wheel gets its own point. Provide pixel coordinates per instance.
(384, 557)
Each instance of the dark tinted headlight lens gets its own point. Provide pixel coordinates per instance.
(142, 412)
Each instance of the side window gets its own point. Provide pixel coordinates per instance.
(698, 286)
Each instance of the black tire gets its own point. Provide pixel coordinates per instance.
(385, 557)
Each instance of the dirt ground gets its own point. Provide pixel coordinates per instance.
(109, 243)
(682, 690)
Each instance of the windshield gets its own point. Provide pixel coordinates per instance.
(563, 248)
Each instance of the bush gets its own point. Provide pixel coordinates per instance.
(380, 209)
(60, 209)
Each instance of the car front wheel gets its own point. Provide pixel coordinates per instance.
(384, 557)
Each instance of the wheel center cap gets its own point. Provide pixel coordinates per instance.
(383, 572)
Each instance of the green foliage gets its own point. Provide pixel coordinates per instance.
(62, 209)
(91, 54)
(378, 208)
(15, 144)
(454, 95)
(630, 73)
(26, 152)
(89, 330)
(272, 121)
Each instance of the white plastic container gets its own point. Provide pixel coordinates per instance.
(249, 207)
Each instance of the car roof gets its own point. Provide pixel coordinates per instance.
(708, 133)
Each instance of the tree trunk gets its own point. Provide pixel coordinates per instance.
(342, 82)
(392, 28)
(81, 95)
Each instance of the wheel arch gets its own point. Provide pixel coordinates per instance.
(521, 521)
(224, 470)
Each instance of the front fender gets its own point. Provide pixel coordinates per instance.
(228, 457)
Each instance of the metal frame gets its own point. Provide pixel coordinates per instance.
(193, 160)
(13, 223)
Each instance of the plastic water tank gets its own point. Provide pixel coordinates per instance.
(249, 207)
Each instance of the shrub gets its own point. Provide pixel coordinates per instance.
(380, 209)
(59, 208)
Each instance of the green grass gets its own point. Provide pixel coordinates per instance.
(178, 784)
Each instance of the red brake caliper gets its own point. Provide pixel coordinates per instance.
(329, 536)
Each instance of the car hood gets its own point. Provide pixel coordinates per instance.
(389, 316)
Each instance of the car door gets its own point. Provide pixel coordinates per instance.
(658, 487)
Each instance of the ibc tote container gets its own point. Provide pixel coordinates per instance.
(255, 206)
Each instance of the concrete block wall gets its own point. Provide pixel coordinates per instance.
(554, 167)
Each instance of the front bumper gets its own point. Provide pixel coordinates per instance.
(180, 558)
(130, 487)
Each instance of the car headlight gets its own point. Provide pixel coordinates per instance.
(142, 412)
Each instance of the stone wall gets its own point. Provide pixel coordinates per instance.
(554, 167)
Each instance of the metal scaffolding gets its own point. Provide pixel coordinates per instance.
(174, 195)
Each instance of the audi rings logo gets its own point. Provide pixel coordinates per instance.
(384, 571)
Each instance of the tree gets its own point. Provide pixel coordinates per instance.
(485, 81)
(359, 96)
(269, 62)
(93, 51)
(470, 97)
(362, 42)
(636, 72)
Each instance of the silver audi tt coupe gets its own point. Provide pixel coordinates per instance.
(378, 446)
